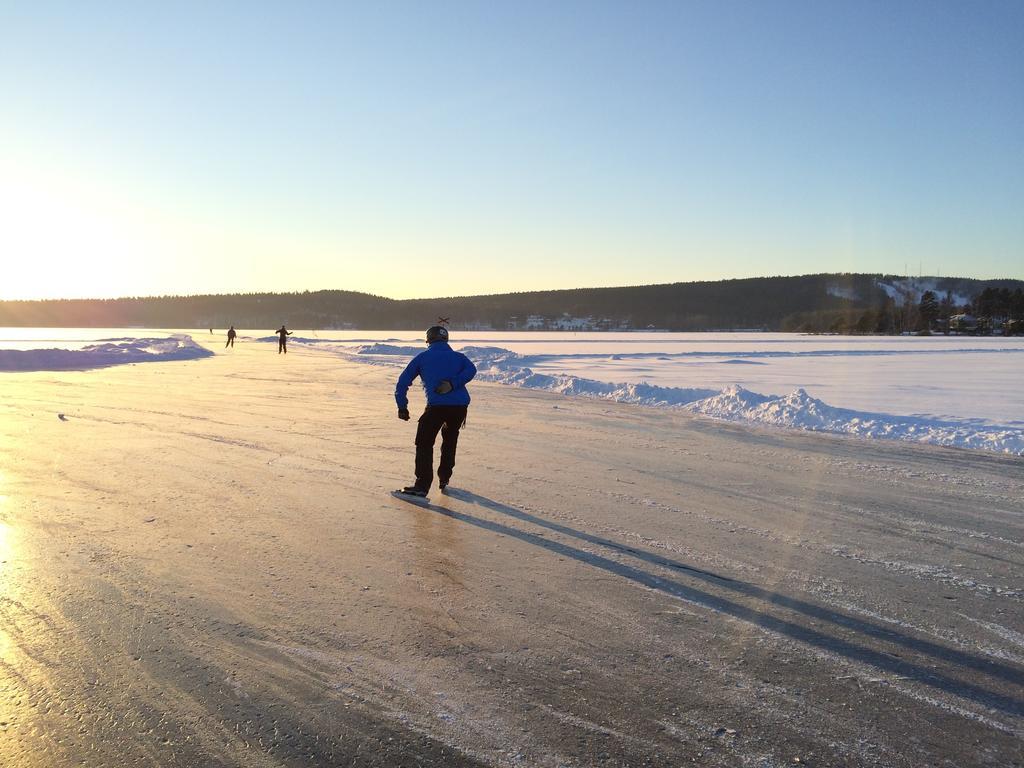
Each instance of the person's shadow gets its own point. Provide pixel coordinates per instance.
(847, 637)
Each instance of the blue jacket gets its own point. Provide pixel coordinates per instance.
(433, 365)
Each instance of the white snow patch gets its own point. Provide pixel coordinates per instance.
(387, 349)
(105, 352)
(796, 410)
(801, 411)
(842, 292)
(912, 288)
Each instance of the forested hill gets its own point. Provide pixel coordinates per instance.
(869, 303)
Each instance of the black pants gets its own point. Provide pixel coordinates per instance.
(448, 420)
(282, 346)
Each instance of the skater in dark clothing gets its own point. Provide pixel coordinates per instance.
(282, 345)
(444, 373)
(231, 337)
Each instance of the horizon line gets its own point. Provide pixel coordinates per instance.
(299, 292)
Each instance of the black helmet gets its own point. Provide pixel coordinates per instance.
(436, 333)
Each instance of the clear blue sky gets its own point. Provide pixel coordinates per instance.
(423, 149)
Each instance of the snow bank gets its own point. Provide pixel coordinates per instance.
(104, 353)
(796, 410)
(387, 349)
(801, 411)
(504, 367)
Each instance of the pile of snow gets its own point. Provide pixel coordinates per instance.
(104, 353)
(387, 349)
(801, 411)
(796, 410)
(505, 367)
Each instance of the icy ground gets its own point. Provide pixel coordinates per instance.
(202, 565)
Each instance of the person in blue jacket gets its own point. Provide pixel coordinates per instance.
(444, 373)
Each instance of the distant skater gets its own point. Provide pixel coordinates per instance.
(444, 373)
(282, 345)
(231, 337)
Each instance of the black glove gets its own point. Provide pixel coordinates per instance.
(403, 414)
(444, 387)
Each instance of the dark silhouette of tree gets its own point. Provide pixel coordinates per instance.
(947, 308)
(927, 310)
(886, 318)
(1004, 300)
(1017, 304)
(1015, 310)
(985, 305)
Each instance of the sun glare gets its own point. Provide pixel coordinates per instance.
(54, 244)
(64, 238)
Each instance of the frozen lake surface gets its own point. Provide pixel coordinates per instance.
(955, 377)
(937, 377)
(953, 391)
(202, 565)
(960, 391)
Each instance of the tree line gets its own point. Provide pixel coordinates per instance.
(837, 303)
(991, 309)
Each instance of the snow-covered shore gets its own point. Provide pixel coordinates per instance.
(794, 410)
(931, 391)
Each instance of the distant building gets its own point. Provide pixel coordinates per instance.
(963, 324)
(535, 322)
(569, 323)
(566, 322)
